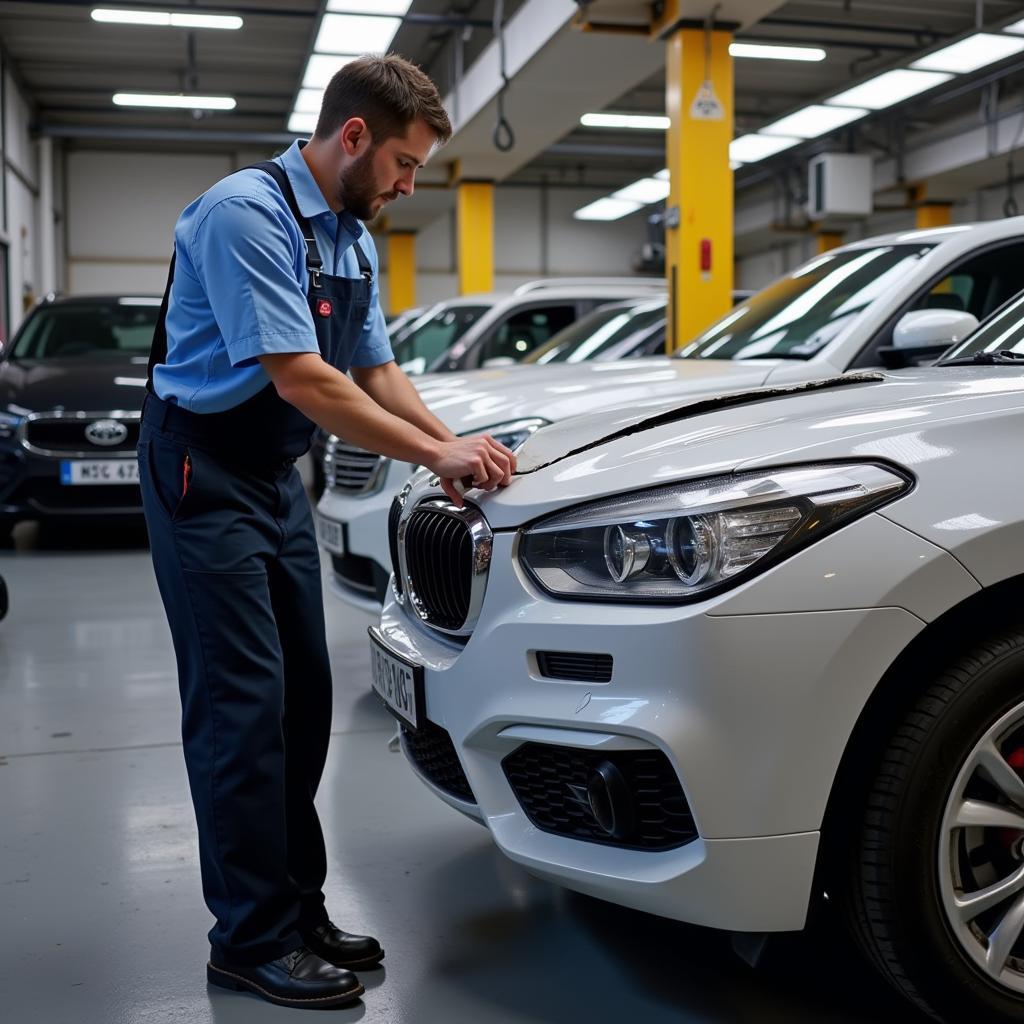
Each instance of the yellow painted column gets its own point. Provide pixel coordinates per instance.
(475, 217)
(699, 223)
(934, 215)
(828, 240)
(401, 271)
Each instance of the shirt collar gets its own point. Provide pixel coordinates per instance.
(307, 192)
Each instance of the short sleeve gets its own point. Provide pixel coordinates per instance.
(244, 257)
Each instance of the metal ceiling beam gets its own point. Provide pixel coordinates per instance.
(244, 138)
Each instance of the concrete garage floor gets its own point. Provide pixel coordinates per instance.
(101, 917)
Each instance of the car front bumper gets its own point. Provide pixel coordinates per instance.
(750, 696)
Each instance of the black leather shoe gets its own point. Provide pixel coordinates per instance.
(342, 949)
(300, 979)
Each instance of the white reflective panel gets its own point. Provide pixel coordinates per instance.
(347, 33)
(322, 67)
(889, 88)
(813, 121)
(748, 149)
(971, 53)
(606, 209)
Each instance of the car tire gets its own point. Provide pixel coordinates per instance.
(901, 904)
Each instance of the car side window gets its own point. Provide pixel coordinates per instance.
(525, 330)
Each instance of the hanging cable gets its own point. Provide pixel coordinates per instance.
(504, 138)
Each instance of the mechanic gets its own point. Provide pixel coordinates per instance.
(271, 298)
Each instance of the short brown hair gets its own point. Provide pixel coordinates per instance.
(388, 93)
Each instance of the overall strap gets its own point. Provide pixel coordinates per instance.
(365, 270)
(314, 264)
(158, 350)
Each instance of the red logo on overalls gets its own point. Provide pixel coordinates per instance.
(324, 307)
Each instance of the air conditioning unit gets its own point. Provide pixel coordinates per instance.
(840, 185)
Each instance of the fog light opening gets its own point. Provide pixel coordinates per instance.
(611, 803)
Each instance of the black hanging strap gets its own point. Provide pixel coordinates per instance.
(158, 350)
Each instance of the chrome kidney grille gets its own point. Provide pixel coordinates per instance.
(351, 469)
(444, 553)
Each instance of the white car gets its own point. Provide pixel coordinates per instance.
(713, 660)
(836, 313)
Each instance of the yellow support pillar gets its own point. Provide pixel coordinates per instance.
(401, 271)
(934, 215)
(699, 222)
(475, 216)
(828, 240)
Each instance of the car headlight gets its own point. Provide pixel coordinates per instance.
(512, 435)
(9, 424)
(682, 542)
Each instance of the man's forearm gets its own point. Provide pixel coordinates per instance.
(390, 388)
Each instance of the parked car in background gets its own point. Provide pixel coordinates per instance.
(72, 381)
(896, 298)
(398, 322)
(733, 660)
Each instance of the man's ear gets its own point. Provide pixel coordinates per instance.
(355, 137)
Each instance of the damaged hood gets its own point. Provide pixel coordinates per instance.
(916, 419)
(480, 399)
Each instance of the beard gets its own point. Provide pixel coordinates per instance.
(358, 191)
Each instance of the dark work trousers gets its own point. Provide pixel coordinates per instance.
(239, 573)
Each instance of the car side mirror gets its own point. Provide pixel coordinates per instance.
(493, 364)
(922, 335)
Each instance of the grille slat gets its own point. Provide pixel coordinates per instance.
(585, 667)
(351, 469)
(548, 779)
(67, 434)
(431, 750)
(439, 561)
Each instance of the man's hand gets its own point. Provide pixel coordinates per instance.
(475, 462)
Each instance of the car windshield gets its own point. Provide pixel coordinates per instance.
(88, 330)
(1002, 332)
(801, 313)
(596, 333)
(433, 335)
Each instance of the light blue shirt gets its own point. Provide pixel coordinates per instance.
(240, 284)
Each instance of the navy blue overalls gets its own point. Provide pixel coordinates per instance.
(238, 569)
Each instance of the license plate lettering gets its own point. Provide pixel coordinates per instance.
(74, 472)
(398, 684)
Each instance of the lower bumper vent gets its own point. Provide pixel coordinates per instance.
(431, 750)
(586, 668)
(626, 798)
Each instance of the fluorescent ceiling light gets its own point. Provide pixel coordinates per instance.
(322, 67)
(347, 33)
(764, 51)
(1017, 27)
(309, 101)
(748, 149)
(971, 53)
(166, 19)
(606, 209)
(176, 102)
(813, 121)
(649, 122)
(662, 175)
(302, 124)
(645, 191)
(889, 88)
(395, 7)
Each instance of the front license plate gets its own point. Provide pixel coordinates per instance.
(330, 534)
(99, 471)
(397, 682)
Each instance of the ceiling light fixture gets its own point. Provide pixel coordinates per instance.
(971, 53)
(889, 88)
(765, 51)
(302, 124)
(173, 101)
(645, 122)
(309, 101)
(813, 121)
(606, 209)
(748, 149)
(166, 19)
(645, 191)
(349, 33)
(392, 7)
(322, 67)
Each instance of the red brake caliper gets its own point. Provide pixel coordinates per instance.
(1010, 837)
